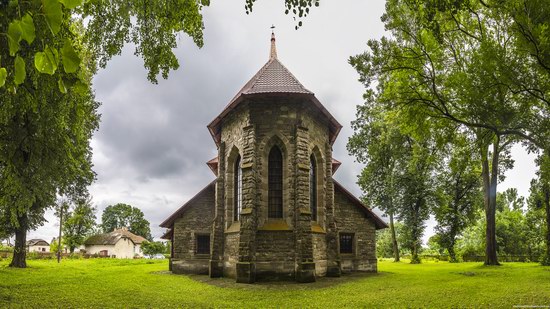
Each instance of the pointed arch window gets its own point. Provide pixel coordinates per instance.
(237, 190)
(275, 183)
(313, 188)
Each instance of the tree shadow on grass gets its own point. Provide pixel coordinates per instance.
(320, 283)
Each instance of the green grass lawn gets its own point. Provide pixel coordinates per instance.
(142, 283)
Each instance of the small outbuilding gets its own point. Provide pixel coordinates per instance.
(38, 245)
(119, 243)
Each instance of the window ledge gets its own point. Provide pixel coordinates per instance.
(275, 225)
(235, 227)
(316, 228)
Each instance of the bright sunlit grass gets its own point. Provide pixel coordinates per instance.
(142, 283)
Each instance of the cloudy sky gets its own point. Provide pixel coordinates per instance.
(152, 145)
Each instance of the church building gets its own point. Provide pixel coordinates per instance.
(274, 211)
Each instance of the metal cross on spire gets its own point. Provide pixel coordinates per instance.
(273, 53)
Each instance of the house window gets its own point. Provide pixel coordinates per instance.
(275, 183)
(238, 189)
(43, 249)
(313, 188)
(346, 243)
(203, 244)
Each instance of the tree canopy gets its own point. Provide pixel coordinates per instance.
(123, 215)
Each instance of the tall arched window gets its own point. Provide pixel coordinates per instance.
(313, 188)
(238, 189)
(275, 183)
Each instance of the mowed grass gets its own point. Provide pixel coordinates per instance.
(140, 283)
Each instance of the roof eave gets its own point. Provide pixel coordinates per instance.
(169, 222)
(378, 222)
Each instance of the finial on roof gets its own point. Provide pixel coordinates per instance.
(273, 53)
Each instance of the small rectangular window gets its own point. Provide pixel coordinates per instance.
(346, 243)
(203, 244)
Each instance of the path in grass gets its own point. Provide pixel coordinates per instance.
(142, 283)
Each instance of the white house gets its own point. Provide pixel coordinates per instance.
(38, 245)
(121, 244)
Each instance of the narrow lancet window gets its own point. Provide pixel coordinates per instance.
(238, 190)
(275, 183)
(313, 188)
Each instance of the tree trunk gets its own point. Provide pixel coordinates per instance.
(71, 249)
(415, 259)
(394, 240)
(490, 177)
(20, 250)
(60, 229)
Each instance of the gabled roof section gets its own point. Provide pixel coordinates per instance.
(169, 222)
(106, 239)
(213, 165)
(37, 242)
(273, 79)
(378, 222)
(135, 238)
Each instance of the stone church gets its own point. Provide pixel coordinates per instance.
(274, 211)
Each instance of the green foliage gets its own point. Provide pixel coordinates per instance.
(398, 285)
(20, 71)
(153, 247)
(123, 215)
(458, 194)
(79, 223)
(46, 61)
(3, 75)
(384, 246)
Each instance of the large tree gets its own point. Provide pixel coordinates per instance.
(540, 198)
(47, 114)
(79, 223)
(458, 194)
(456, 65)
(379, 146)
(123, 215)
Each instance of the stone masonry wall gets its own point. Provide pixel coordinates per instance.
(196, 220)
(351, 219)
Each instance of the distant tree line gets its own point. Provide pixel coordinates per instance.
(520, 230)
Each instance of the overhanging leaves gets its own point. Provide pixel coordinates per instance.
(14, 36)
(46, 61)
(53, 13)
(69, 57)
(20, 72)
(3, 75)
(28, 32)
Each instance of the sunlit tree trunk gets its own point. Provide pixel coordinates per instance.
(490, 177)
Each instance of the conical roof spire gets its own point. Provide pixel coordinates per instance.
(273, 52)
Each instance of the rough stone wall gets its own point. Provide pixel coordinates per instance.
(351, 219)
(231, 254)
(197, 219)
(275, 255)
(320, 254)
